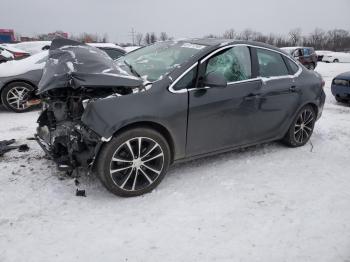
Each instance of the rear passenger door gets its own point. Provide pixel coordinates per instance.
(279, 94)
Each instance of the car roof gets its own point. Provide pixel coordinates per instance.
(225, 42)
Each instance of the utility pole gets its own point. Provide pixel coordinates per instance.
(133, 35)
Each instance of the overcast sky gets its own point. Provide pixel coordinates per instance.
(179, 18)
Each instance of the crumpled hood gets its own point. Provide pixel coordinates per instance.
(74, 64)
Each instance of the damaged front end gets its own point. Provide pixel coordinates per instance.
(75, 75)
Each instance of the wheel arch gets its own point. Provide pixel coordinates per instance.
(312, 104)
(154, 126)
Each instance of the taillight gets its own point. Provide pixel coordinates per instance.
(18, 55)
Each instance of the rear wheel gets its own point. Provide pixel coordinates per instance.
(15, 96)
(311, 66)
(301, 128)
(134, 162)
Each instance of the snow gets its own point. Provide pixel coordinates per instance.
(5, 53)
(105, 45)
(17, 67)
(129, 49)
(33, 47)
(13, 48)
(264, 203)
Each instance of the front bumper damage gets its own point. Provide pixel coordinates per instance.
(69, 144)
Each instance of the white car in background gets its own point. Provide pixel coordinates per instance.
(321, 53)
(336, 57)
(32, 47)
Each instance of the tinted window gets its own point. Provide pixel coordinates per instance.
(293, 66)
(234, 64)
(271, 63)
(187, 81)
(114, 54)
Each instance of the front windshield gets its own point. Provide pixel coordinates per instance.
(153, 62)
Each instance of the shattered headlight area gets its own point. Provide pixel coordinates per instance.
(64, 137)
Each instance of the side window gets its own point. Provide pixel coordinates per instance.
(234, 64)
(114, 54)
(187, 81)
(293, 66)
(271, 63)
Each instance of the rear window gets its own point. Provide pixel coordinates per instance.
(271, 63)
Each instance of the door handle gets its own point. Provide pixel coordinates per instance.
(293, 89)
(251, 97)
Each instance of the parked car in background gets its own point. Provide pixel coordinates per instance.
(341, 87)
(336, 57)
(19, 79)
(33, 47)
(113, 50)
(321, 53)
(17, 53)
(170, 102)
(305, 55)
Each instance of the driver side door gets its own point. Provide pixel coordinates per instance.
(220, 118)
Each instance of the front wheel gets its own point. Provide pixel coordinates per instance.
(134, 162)
(16, 95)
(301, 128)
(336, 61)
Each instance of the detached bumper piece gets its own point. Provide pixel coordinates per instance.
(5, 146)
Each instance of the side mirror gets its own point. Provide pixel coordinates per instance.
(214, 79)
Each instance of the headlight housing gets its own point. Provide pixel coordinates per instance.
(341, 82)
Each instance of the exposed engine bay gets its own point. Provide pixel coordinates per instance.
(76, 75)
(62, 134)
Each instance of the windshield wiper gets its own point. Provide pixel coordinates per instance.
(132, 69)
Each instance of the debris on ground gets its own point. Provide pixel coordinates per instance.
(6, 146)
(80, 192)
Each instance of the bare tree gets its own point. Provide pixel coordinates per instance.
(147, 39)
(163, 36)
(230, 34)
(247, 34)
(139, 38)
(210, 36)
(295, 36)
(105, 38)
(153, 38)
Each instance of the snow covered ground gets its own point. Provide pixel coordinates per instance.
(265, 203)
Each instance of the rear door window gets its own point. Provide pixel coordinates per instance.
(271, 63)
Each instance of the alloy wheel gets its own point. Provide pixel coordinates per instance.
(136, 164)
(304, 126)
(17, 97)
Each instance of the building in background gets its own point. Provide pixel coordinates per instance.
(7, 36)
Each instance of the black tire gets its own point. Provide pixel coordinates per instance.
(311, 66)
(341, 100)
(336, 61)
(301, 128)
(8, 96)
(129, 178)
